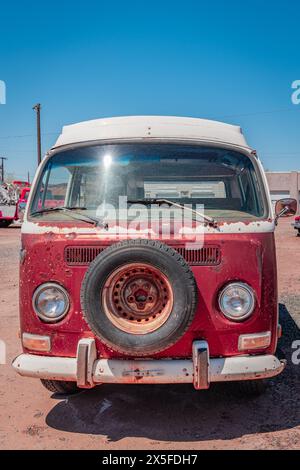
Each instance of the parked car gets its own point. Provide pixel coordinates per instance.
(158, 265)
(296, 225)
(13, 197)
(22, 203)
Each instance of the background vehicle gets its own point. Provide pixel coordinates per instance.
(13, 198)
(114, 299)
(296, 225)
(21, 206)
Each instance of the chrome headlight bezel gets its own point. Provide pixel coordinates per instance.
(41, 315)
(252, 301)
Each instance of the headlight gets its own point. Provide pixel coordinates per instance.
(50, 302)
(237, 301)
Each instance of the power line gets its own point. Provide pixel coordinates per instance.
(256, 113)
(26, 135)
(274, 111)
(19, 151)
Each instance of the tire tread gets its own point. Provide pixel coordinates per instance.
(190, 282)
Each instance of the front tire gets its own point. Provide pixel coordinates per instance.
(5, 223)
(59, 386)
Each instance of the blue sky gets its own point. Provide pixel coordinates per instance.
(233, 61)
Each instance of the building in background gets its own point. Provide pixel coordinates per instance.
(284, 184)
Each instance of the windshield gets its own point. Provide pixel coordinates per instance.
(223, 182)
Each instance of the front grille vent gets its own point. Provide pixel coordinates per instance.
(81, 255)
(209, 255)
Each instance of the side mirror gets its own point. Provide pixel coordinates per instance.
(285, 208)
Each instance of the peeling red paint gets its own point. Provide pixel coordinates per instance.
(246, 257)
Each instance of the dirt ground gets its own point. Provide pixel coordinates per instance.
(169, 417)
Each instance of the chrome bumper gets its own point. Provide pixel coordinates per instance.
(201, 370)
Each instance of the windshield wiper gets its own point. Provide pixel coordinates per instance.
(72, 212)
(208, 220)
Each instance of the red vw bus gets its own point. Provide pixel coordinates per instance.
(148, 256)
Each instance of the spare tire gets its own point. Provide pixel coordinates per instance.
(139, 297)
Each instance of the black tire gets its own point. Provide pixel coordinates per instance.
(59, 386)
(5, 223)
(180, 277)
(252, 387)
(298, 234)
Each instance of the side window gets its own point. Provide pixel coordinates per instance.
(250, 188)
(246, 190)
(185, 189)
(258, 193)
(53, 188)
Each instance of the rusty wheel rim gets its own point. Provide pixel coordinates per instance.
(137, 298)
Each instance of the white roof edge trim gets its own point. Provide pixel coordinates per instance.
(142, 127)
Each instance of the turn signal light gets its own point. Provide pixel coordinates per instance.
(36, 342)
(255, 341)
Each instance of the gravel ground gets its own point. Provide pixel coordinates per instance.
(151, 417)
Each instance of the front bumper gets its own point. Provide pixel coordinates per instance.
(201, 370)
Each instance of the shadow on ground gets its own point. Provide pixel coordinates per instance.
(179, 413)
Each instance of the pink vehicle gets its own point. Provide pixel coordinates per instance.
(21, 206)
(296, 225)
(13, 199)
(148, 256)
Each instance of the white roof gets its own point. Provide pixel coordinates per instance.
(160, 127)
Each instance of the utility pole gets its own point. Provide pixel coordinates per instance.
(37, 108)
(2, 168)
